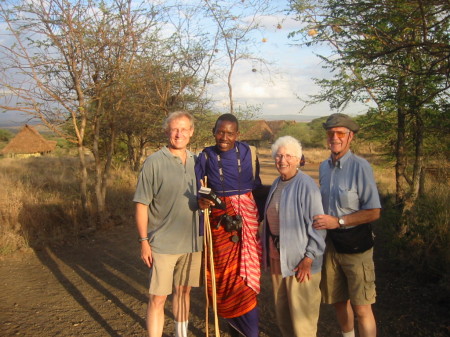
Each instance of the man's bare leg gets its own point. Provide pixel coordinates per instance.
(181, 306)
(367, 326)
(345, 316)
(155, 315)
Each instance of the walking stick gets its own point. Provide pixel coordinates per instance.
(205, 263)
(209, 251)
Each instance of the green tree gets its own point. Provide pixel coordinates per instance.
(317, 132)
(152, 91)
(300, 131)
(394, 54)
(5, 135)
(66, 58)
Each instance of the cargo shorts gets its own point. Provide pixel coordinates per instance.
(348, 276)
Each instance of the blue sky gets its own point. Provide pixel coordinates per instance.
(292, 71)
(275, 90)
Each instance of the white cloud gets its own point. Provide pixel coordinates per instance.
(291, 73)
(291, 76)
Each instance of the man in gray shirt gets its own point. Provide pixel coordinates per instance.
(168, 226)
(351, 202)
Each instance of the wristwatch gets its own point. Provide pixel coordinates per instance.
(341, 222)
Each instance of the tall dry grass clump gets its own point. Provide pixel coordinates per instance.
(120, 195)
(426, 245)
(39, 201)
(423, 251)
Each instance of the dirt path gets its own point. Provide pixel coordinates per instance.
(97, 287)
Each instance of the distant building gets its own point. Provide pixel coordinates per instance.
(255, 132)
(277, 125)
(28, 143)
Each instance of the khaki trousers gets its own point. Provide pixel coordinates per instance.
(297, 305)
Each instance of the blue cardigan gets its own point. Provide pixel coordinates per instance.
(300, 202)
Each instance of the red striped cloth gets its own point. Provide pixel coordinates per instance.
(237, 265)
(251, 250)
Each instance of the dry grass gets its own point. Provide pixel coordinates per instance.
(120, 195)
(39, 202)
(316, 156)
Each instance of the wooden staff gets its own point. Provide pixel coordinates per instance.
(205, 263)
(209, 251)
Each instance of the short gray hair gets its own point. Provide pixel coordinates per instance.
(176, 115)
(287, 141)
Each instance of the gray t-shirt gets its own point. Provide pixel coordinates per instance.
(169, 189)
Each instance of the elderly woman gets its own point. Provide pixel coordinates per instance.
(292, 247)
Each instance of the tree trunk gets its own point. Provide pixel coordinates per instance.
(139, 154)
(99, 202)
(400, 148)
(83, 182)
(79, 125)
(135, 146)
(418, 162)
(108, 162)
(131, 153)
(230, 89)
(102, 168)
(403, 183)
(413, 192)
(423, 175)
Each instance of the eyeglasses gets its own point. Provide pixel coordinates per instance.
(288, 157)
(339, 134)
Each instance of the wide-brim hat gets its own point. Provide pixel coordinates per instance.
(339, 119)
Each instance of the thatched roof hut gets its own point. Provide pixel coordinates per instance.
(28, 142)
(276, 126)
(255, 132)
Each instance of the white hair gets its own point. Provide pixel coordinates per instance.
(289, 142)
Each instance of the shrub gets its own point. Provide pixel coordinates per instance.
(424, 249)
(5, 135)
(429, 234)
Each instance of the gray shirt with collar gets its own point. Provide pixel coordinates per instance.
(169, 189)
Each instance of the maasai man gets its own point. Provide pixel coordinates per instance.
(232, 174)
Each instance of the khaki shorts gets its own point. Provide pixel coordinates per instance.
(348, 276)
(169, 270)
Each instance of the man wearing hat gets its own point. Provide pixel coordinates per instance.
(351, 202)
